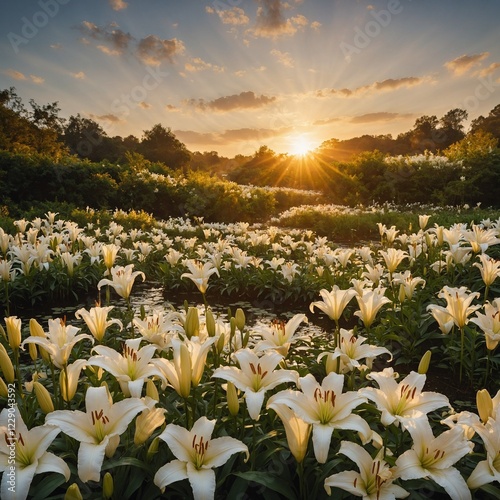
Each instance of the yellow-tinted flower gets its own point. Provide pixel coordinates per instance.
(13, 324)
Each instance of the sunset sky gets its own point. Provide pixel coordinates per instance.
(233, 75)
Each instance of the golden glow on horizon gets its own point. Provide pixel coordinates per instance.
(300, 146)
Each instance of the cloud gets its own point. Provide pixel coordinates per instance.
(326, 121)
(107, 50)
(271, 23)
(284, 58)
(153, 50)
(464, 63)
(37, 79)
(79, 76)
(16, 75)
(381, 116)
(228, 136)
(118, 4)
(111, 34)
(488, 70)
(234, 16)
(145, 105)
(56, 46)
(107, 118)
(197, 64)
(244, 100)
(171, 108)
(385, 85)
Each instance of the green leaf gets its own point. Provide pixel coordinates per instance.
(269, 481)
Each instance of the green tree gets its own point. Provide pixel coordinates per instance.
(160, 145)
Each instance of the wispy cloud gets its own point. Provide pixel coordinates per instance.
(118, 4)
(492, 68)
(79, 76)
(388, 84)
(381, 116)
(463, 64)
(197, 64)
(105, 118)
(283, 58)
(37, 79)
(16, 75)
(111, 34)
(244, 100)
(235, 15)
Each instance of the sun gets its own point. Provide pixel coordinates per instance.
(300, 146)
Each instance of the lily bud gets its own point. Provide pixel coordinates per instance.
(153, 449)
(423, 366)
(484, 405)
(73, 493)
(151, 390)
(240, 319)
(220, 344)
(146, 423)
(246, 337)
(6, 365)
(4, 391)
(185, 376)
(331, 363)
(108, 486)
(43, 398)
(233, 403)
(210, 323)
(13, 324)
(402, 293)
(192, 323)
(2, 332)
(36, 330)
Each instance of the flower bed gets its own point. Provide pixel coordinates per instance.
(127, 401)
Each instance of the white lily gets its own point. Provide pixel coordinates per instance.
(374, 481)
(326, 408)
(196, 456)
(401, 401)
(97, 320)
(334, 302)
(433, 457)
(352, 348)
(98, 428)
(157, 328)
(122, 280)
(487, 470)
(369, 304)
(279, 335)
(59, 341)
(23, 453)
(200, 273)
(255, 376)
(131, 368)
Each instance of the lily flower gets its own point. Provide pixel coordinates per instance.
(393, 257)
(97, 320)
(433, 457)
(196, 455)
(200, 273)
(297, 430)
(374, 480)
(352, 348)
(255, 376)
(369, 305)
(407, 284)
(489, 268)
(25, 451)
(326, 408)
(131, 368)
(122, 280)
(401, 401)
(489, 322)
(458, 302)
(157, 328)
(279, 335)
(487, 470)
(334, 302)
(98, 428)
(59, 341)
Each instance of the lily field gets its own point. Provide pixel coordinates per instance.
(121, 399)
